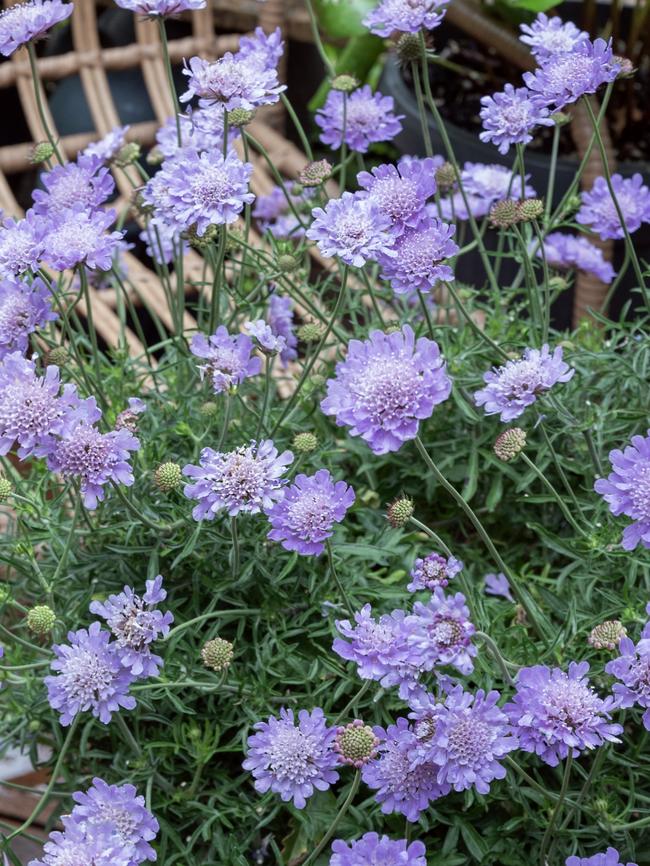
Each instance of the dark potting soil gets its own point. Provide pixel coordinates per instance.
(484, 71)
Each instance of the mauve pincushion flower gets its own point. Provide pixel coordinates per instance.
(228, 358)
(232, 81)
(386, 385)
(433, 571)
(441, 632)
(21, 244)
(492, 183)
(509, 117)
(407, 16)
(201, 129)
(417, 258)
(564, 78)
(121, 806)
(248, 479)
(353, 228)
(627, 489)
(136, 624)
(80, 237)
(107, 148)
(369, 118)
(401, 190)
(555, 712)
(264, 49)
(374, 850)
(374, 645)
(280, 318)
(632, 670)
(24, 307)
(306, 514)
(80, 186)
(29, 21)
(576, 251)
(156, 8)
(267, 342)
(498, 584)
(291, 759)
(512, 388)
(548, 36)
(472, 736)
(88, 675)
(599, 212)
(610, 857)
(76, 847)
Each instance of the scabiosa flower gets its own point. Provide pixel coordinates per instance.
(632, 670)
(21, 244)
(402, 787)
(24, 307)
(280, 319)
(102, 847)
(564, 78)
(201, 129)
(554, 712)
(599, 212)
(498, 584)
(107, 148)
(509, 117)
(121, 806)
(228, 358)
(246, 480)
(268, 342)
(386, 386)
(374, 645)
(515, 386)
(571, 251)
(472, 735)
(293, 759)
(306, 514)
(355, 744)
(26, 22)
(401, 191)
(369, 118)
(264, 49)
(374, 850)
(433, 571)
(607, 634)
(88, 676)
(442, 631)
(82, 186)
(232, 81)
(136, 624)
(407, 16)
(78, 238)
(607, 858)
(353, 228)
(491, 183)
(548, 36)
(416, 259)
(158, 8)
(627, 489)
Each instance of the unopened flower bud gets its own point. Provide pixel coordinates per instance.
(57, 357)
(41, 619)
(355, 744)
(209, 409)
(155, 156)
(558, 284)
(204, 241)
(41, 152)
(408, 48)
(217, 654)
(315, 173)
(235, 236)
(239, 117)
(304, 443)
(627, 69)
(168, 477)
(607, 634)
(509, 443)
(128, 154)
(310, 332)
(445, 176)
(6, 489)
(345, 83)
(400, 511)
(560, 118)
(287, 263)
(530, 209)
(504, 213)
(572, 204)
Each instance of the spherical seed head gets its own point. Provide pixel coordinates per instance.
(400, 511)
(505, 213)
(304, 443)
(560, 118)
(57, 356)
(155, 156)
(509, 443)
(530, 209)
(558, 284)
(168, 477)
(128, 154)
(6, 489)
(310, 332)
(217, 654)
(209, 409)
(315, 173)
(239, 117)
(40, 152)
(41, 619)
(288, 263)
(408, 48)
(204, 241)
(607, 634)
(355, 744)
(345, 83)
(446, 176)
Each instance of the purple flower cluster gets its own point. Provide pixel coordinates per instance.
(360, 118)
(29, 21)
(576, 251)
(158, 8)
(110, 825)
(201, 129)
(632, 670)
(21, 244)
(511, 116)
(24, 307)
(512, 388)
(627, 489)
(374, 850)
(386, 386)
(610, 857)
(107, 148)
(433, 571)
(280, 319)
(598, 210)
(401, 191)
(267, 342)
(550, 36)
(498, 584)
(353, 228)
(417, 259)
(406, 16)
(228, 358)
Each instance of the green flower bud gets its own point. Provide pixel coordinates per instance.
(58, 356)
(41, 152)
(310, 332)
(6, 489)
(41, 619)
(400, 511)
(168, 477)
(209, 409)
(304, 443)
(345, 83)
(128, 154)
(505, 213)
(240, 117)
(217, 654)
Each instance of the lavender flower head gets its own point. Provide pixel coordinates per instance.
(515, 386)
(606, 858)
(291, 759)
(598, 210)
(549, 36)
(78, 237)
(374, 850)
(79, 186)
(21, 244)
(305, 516)
(472, 736)
(632, 670)
(563, 78)
(509, 117)
(263, 49)
(416, 261)
(88, 676)
(627, 489)
(228, 358)
(400, 191)
(369, 118)
(492, 183)
(102, 847)
(407, 16)
(107, 148)
(433, 571)
(353, 228)
(246, 480)
(268, 342)
(375, 646)
(554, 713)
(136, 624)
(158, 8)
(24, 307)
(401, 786)
(201, 130)
(571, 251)
(441, 631)
(498, 584)
(386, 386)
(280, 319)
(232, 81)
(26, 22)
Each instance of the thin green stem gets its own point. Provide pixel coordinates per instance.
(235, 556)
(473, 325)
(267, 392)
(558, 465)
(85, 288)
(424, 124)
(550, 187)
(170, 77)
(302, 135)
(313, 21)
(353, 700)
(225, 421)
(344, 147)
(337, 579)
(139, 515)
(126, 733)
(558, 808)
(66, 550)
(217, 281)
(502, 664)
(616, 282)
(424, 528)
(354, 787)
(239, 611)
(33, 65)
(549, 486)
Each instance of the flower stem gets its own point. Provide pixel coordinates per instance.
(346, 709)
(249, 611)
(499, 659)
(563, 508)
(556, 811)
(170, 77)
(424, 528)
(33, 65)
(337, 580)
(126, 733)
(235, 557)
(354, 787)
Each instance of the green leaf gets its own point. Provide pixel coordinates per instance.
(340, 19)
(475, 843)
(533, 5)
